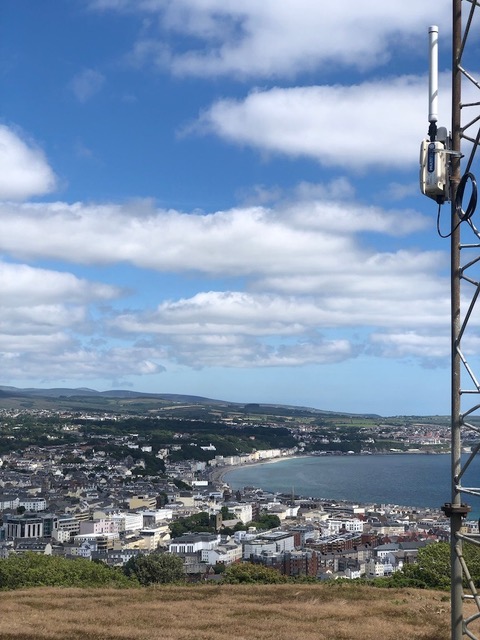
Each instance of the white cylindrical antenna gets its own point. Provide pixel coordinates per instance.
(433, 74)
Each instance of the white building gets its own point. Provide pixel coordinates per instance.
(8, 502)
(61, 536)
(194, 542)
(353, 574)
(273, 542)
(283, 540)
(243, 536)
(156, 536)
(128, 521)
(223, 554)
(96, 540)
(266, 454)
(316, 515)
(335, 525)
(379, 568)
(374, 569)
(69, 526)
(101, 526)
(242, 511)
(386, 551)
(154, 516)
(33, 504)
(82, 550)
(255, 548)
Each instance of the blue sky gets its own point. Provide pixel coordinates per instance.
(220, 198)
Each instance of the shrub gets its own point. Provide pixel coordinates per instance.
(37, 570)
(248, 572)
(155, 568)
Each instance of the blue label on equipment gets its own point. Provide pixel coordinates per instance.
(431, 158)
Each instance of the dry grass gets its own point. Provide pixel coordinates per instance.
(213, 612)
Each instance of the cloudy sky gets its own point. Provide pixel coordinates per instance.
(220, 198)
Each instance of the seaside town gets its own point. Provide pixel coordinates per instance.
(78, 499)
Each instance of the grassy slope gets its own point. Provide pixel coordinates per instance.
(213, 612)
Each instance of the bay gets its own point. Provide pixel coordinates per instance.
(417, 480)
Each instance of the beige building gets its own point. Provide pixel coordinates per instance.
(139, 502)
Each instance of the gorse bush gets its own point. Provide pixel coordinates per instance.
(155, 568)
(37, 570)
(248, 572)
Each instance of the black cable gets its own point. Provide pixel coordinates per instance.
(472, 203)
(438, 224)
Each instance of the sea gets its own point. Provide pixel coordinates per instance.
(416, 480)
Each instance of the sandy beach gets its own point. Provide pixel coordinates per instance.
(217, 474)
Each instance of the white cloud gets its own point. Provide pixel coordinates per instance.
(304, 266)
(306, 275)
(237, 328)
(240, 313)
(272, 38)
(86, 84)
(248, 353)
(24, 170)
(297, 237)
(236, 350)
(41, 318)
(43, 286)
(398, 191)
(44, 313)
(58, 357)
(373, 124)
(425, 346)
(387, 278)
(39, 305)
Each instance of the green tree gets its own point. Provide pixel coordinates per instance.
(196, 523)
(226, 514)
(155, 568)
(162, 499)
(248, 572)
(266, 521)
(180, 484)
(219, 567)
(432, 566)
(432, 569)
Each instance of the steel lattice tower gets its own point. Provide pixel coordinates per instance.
(465, 291)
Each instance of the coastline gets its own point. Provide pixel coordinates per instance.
(429, 503)
(217, 474)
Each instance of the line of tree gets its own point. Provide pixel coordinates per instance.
(432, 571)
(203, 522)
(38, 570)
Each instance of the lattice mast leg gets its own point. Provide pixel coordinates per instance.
(456, 513)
